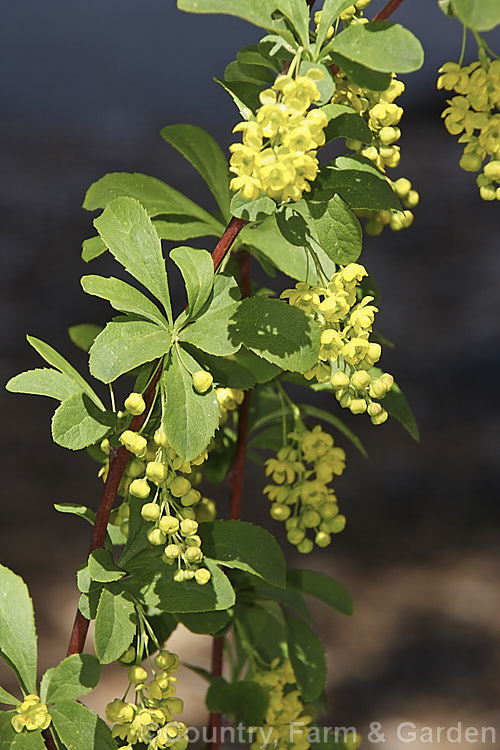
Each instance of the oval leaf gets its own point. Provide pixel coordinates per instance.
(115, 626)
(380, 45)
(75, 676)
(17, 627)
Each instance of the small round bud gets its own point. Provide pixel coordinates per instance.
(206, 510)
(172, 551)
(118, 710)
(380, 418)
(139, 488)
(135, 468)
(166, 660)
(156, 537)
(295, 536)
(137, 675)
(156, 472)
(105, 446)
(360, 380)
(129, 656)
(487, 193)
(193, 554)
(412, 199)
(305, 546)
(377, 389)
(471, 162)
(202, 381)
(492, 171)
(310, 519)
(188, 527)
(150, 512)
(135, 404)
(402, 187)
(180, 576)
(169, 524)
(202, 576)
(188, 575)
(190, 498)
(374, 409)
(179, 486)
(340, 380)
(322, 539)
(358, 406)
(280, 512)
(160, 438)
(329, 510)
(337, 524)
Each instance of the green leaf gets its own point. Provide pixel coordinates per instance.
(17, 628)
(307, 655)
(380, 45)
(75, 676)
(79, 728)
(28, 741)
(128, 233)
(125, 343)
(322, 587)
(44, 381)
(153, 580)
(244, 700)
(180, 228)
(78, 423)
(338, 230)
(83, 334)
(481, 15)
(344, 122)
(296, 261)
(7, 698)
(266, 634)
(288, 597)
(115, 626)
(258, 12)
(278, 332)
(252, 210)
(226, 372)
(297, 12)
(190, 418)
(102, 567)
(56, 360)
(206, 623)
(330, 11)
(238, 544)
(357, 181)
(202, 151)
(397, 406)
(7, 733)
(123, 297)
(237, 72)
(157, 198)
(75, 509)
(360, 75)
(244, 95)
(220, 457)
(211, 332)
(197, 270)
(261, 369)
(92, 248)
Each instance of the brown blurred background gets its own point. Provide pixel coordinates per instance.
(86, 89)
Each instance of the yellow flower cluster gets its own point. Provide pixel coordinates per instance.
(229, 399)
(278, 153)
(31, 715)
(346, 353)
(150, 719)
(475, 114)
(301, 496)
(383, 116)
(285, 707)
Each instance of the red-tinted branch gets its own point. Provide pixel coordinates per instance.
(387, 10)
(224, 244)
(118, 458)
(49, 740)
(215, 720)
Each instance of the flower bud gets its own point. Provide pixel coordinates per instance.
(337, 524)
(202, 381)
(139, 488)
(295, 536)
(180, 576)
(193, 554)
(380, 418)
(492, 171)
(137, 675)
(322, 539)
(190, 498)
(179, 486)
(340, 380)
(202, 576)
(310, 519)
(135, 404)
(378, 388)
(360, 380)
(280, 512)
(329, 510)
(169, 524)
(156, 471)
(358, 406)
(166, 660)
(305, 546)
(135, 468)
(156, 537)
(129, 656)
(118, 710)
(150, 512)
(188, 527)
(160, 438)
(172, 551)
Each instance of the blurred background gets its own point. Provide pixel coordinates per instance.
(86, 88)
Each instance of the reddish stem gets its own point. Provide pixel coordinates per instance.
(387, 10)
(215, 720)
(118, 458)
(224, 244)
(49, 740)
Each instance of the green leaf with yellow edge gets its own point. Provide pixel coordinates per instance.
(190, 418)
(380, 45)
(278, 332)
(130, 236)
(124, 344)
(206, 156)
(239, 544)
(92, 248)
(17, 628)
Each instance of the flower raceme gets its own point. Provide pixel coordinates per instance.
(474, 116)
(346, 354)
(278, 153)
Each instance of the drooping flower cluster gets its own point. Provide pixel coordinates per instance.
(31, 715)
(278, 153)
(287, 719)
(301, 496)
(383, 116)
(346, 353)
(475, 115)
(150, 720)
